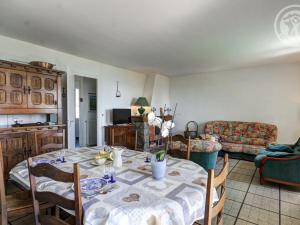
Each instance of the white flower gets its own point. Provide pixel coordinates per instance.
(165, 133)
(157, 122)
(168, 124)
(165, 126)
(151, 118)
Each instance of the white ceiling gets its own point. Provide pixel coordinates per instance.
(171, 37)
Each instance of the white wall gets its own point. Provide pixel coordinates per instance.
(161, 92)
(131, 83)
(269, 94)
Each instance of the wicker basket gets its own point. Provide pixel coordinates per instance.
(191, 130)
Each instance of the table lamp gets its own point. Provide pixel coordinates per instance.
(142, 101)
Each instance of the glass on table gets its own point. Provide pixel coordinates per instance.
(106, 171)
(61, 155)
(112, 175)
(148, 155)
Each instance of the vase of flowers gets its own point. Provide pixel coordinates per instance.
(159, 164)
(158, 160)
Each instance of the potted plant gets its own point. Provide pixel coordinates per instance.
(158, 160)
(158, 164)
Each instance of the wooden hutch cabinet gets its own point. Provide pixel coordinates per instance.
(26, 89)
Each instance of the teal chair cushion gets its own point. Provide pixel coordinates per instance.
(207, 160)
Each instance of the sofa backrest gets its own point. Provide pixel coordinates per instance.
(242, 130)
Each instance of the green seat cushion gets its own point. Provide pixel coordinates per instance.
(205, 159)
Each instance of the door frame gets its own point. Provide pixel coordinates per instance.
(71, 107)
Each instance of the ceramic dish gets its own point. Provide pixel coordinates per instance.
(91, 184)
(98, 162)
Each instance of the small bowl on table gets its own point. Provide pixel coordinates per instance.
(100, 161)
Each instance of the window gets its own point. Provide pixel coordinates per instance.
(77, 103)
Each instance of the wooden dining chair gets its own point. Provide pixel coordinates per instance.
(49, 141)
(175, 151)
(216, 210)
(16, 205)
(50, 171)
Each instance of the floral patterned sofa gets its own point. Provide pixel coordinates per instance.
(242, 137)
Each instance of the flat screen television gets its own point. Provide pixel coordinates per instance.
(121, 116)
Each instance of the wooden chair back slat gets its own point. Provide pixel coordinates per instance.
(50, 171)
(53, 137)
(219, 206)
(2, 191)
(183, 140)
(212, 183)
(220, 179)
(47, 170)
(55, 199)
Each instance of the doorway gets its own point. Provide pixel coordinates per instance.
(85, 111)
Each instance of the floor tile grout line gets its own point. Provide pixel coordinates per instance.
(254, 194)
(261, 208)
(291, 217)
(227, 176)
(241, 219)
(244, 198)
(247, 221)
(290, 203)
(279, 204)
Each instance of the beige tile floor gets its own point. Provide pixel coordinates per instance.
(247, 201)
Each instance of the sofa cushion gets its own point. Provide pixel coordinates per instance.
(218, 127)
(243, 148)
(238, 128)
(244, 140)
(256, 130)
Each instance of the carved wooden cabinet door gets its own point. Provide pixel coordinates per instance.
(42, 91)
(12, 89)
(14, 150)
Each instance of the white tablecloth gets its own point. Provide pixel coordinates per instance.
(179, 198)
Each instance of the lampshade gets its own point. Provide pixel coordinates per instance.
(142, 101)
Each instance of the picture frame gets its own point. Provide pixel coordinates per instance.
(92, 102)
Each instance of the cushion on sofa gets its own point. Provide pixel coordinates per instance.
(243, 148)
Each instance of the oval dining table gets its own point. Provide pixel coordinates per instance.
(136, 198)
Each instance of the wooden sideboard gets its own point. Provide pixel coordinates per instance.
(20, 143)
(121, 135)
